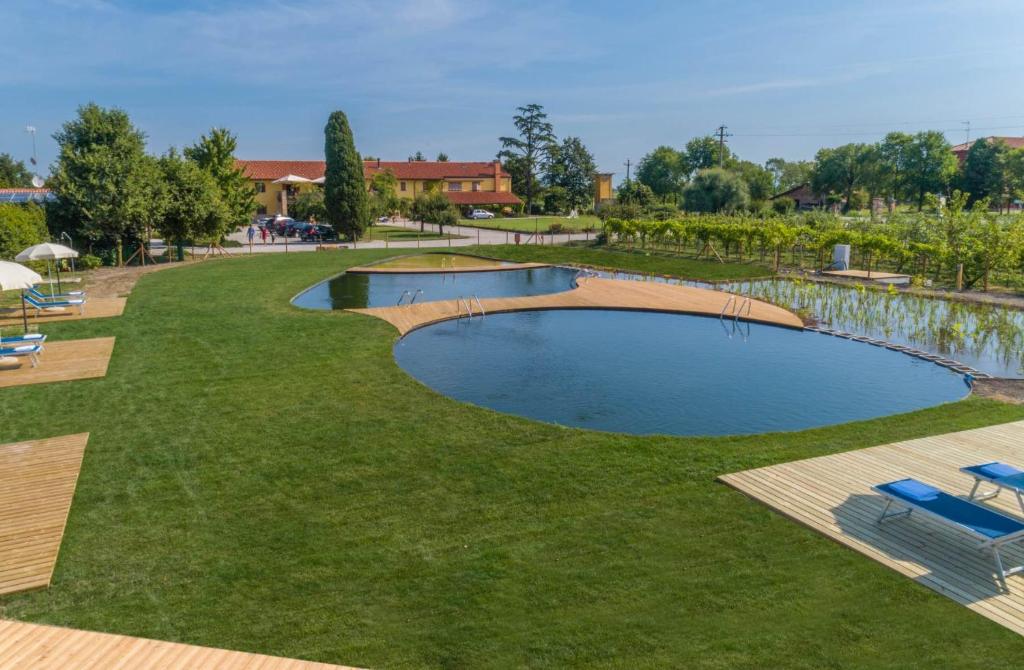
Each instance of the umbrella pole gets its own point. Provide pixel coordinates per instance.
(59, 289)
(24, 310)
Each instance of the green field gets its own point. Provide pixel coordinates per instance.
(537, 223)
(400, 234)
(264, 478)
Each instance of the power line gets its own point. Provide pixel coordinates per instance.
(867, 133)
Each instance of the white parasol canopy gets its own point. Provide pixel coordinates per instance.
(320, 180)
(47, 251)
(292, 179)
(14, 276)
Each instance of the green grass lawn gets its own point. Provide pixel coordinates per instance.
(400, 234)
(264, 478)
(541, 223)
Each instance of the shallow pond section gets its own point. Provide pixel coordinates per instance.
(357, 290)
(655, 373)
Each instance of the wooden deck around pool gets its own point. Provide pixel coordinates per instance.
(39, 480)
(63, 361)
(832, 495)
(592, 293)
(394, 269)
(864, 274)
(27, 645)
(95, 308)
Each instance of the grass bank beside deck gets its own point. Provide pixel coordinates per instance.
(249, 484)
(400, 234)
(529, 224)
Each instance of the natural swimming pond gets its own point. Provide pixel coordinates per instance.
(354, 290)
(646, 373)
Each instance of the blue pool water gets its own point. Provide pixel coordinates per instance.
(644, 372)
(383, 290)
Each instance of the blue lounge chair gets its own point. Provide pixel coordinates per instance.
(27, 338)
(991, 528)
(55, 296)
(1001, 475)
(41, 305)
(30, 350)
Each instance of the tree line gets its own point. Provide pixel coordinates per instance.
(705, 176)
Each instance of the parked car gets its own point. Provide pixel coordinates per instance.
(318, 232)
(296, 228)
(481, 214)
(279, 224)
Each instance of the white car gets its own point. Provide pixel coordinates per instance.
(481, 214)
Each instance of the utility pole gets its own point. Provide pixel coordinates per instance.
(627, 164)
(31, 130)
(721, 143)
(967, 131)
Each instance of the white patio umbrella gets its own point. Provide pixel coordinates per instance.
(320, 180)
(292, 179)
(47, 251)
(18, 277)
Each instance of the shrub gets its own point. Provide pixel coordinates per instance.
(555, 228)
(783, 205)
(88, 262)
(21, 226)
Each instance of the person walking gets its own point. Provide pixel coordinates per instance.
(251, 233)
(263, 234)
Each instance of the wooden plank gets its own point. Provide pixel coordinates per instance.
(27, 645)
(95, 308)
(63, 361)
(592, 293)
(482, 267)
(39, 482)
(832, 496)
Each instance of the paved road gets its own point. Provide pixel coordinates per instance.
(470, 235)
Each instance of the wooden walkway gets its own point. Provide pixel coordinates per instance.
(39, 480)
(593, 293)
(63, 361)
(26, 645)
(95, 308)
(864, 274)
(832, 495)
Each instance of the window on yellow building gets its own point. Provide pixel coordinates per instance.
(401, 186)
(476, 186)
(455, 186)
(261, 187)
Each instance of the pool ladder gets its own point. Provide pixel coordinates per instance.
(584, 273)
(737, 307)
(407, 294)
(467, 302)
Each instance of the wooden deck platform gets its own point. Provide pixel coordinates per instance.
(832, 495)
(63, 361)
(890, 277)
(95, 308)
(39, 480)
(26, 645)
(593, 293)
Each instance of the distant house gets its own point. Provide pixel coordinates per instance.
(803, 197)
(960, 150)
(465, 184)
(603, 191)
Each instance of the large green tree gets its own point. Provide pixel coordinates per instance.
(215, 153)
(716, 190)
(760, 182)
(191, 207)
(702, 153)
(983, 174)
(930, 165)
(529, 149)
(839, 170)
(664, 171)
(21, 226)
(14, 173)
(895, 153)
(571, 168)
(789, 174)
(434, 207)
(100, 178)
(344, 188)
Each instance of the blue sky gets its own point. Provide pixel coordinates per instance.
(442, 75)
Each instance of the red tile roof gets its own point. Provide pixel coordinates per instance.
(270, 170)
(1012, 142)
(482, 198)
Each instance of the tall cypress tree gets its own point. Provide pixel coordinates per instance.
(344, 189)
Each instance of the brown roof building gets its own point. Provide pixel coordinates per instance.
(960, 150)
